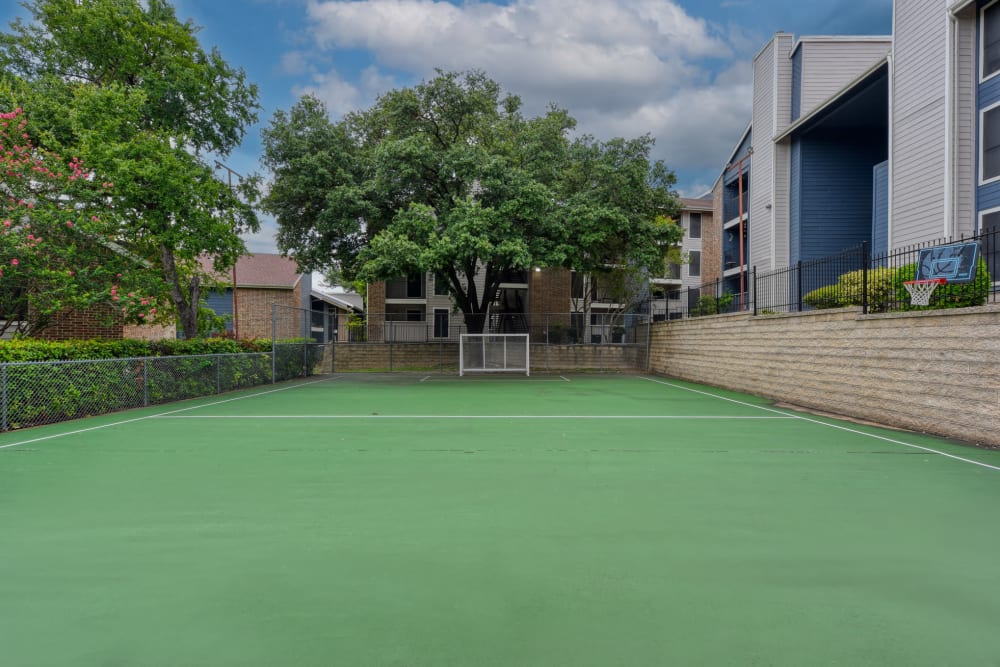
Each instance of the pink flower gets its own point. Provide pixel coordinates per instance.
(131, 294)
(152, 311)
(144, 302)
(14, 262)
(141, 315)
(114, 297)
(69, 223)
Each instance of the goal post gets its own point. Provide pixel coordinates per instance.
(494, 353)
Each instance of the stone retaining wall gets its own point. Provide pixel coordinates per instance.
(931, 371)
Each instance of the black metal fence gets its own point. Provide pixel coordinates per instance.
(853, 277)
(582, 328)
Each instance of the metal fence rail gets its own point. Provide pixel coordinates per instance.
(580, 328)
(853, 277)
(45, 392)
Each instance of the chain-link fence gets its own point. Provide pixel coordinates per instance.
(35, 393)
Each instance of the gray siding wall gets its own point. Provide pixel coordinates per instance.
(918, 122)
(828, 66)
(760, 178)
(964, 147)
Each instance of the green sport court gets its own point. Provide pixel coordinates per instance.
(544, 520)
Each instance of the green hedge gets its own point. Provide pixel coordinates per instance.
(887, 292)
(959, 295)
(98, 377)
(30, 349)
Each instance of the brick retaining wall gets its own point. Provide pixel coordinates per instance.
(931, 371)
(443, 357)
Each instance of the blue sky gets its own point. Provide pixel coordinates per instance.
(677, 70)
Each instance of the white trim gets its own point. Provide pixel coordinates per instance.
(980, 215)
(980, 34)
(890, 64)
(979, 147)
(949, 161)
(838, 38)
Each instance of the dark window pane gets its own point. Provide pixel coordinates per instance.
(991, 40)
(991, 144)
(694, 225)
(694, 263)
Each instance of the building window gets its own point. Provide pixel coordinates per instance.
(694, 263)
(673, 271)
(576, 285)
(990, 36)
(440, 323)
(990, 136)
(441, 286)
(674, 294)
(415, 286)
(694, 225)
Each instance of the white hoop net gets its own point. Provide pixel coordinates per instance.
(921, 290)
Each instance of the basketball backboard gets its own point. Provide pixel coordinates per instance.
(956, 263)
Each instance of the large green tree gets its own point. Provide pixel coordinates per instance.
(127, 86)
(451, 177)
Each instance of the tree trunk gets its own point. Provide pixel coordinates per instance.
(185, 304)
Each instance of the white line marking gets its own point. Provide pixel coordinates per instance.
(726, 417)
(424, 379)
(161, 414)
(821, 423)
(565, 378)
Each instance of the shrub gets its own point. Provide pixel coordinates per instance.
(710, 305)
(958, 295)
(823, 297)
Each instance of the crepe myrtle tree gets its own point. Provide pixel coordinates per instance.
(126, 86)
(55, 249)
(450, 177)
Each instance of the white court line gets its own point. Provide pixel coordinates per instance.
(679, 417)
(565, 378)
(821, 423)
(162, 414)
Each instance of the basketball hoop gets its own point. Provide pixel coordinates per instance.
(921, 290)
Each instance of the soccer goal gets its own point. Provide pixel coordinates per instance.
(493, 353)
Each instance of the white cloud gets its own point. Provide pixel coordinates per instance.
(621, 68)
(582, 55)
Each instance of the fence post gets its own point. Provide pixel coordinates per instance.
(145, 382)
(798, 285)
(865, 260)
(3, 390)
(274, 342)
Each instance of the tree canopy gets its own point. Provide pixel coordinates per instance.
(451, 177)
(126, 86)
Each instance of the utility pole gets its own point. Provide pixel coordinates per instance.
(236, 311)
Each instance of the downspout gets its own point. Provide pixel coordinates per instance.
(949, 214)
(889, 176)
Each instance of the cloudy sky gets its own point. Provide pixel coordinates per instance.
(677, 70)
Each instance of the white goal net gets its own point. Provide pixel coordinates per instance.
(493, 353)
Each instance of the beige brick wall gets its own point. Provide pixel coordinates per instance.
(549, 291)
(254, 309)
(444, 357)
(932, 371)
(97, 323)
